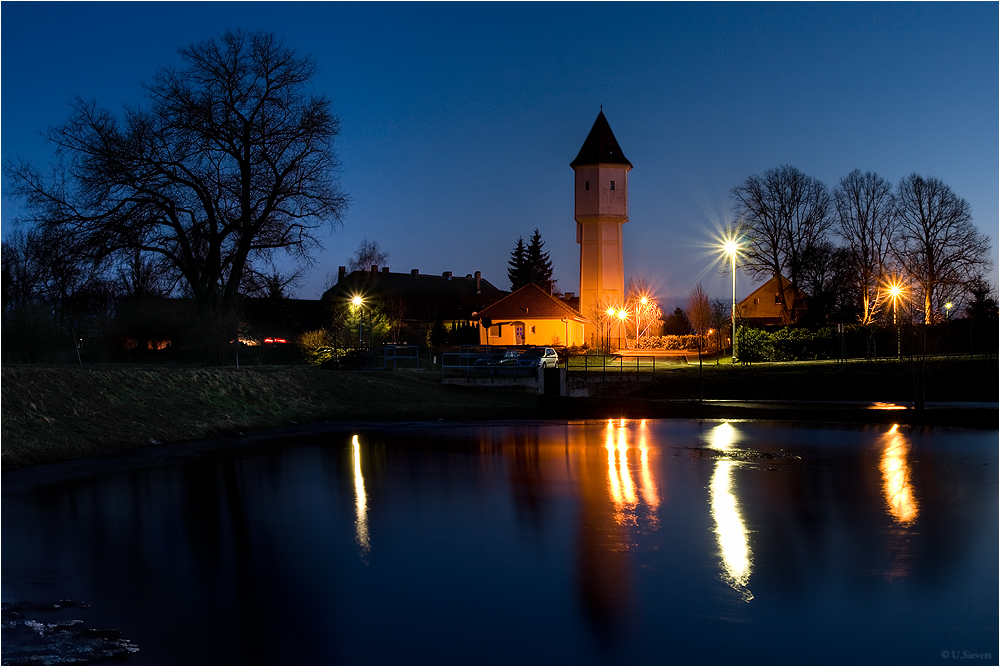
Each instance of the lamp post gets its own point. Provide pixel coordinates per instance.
(731, 247)
(947, 310)
(894, 290)
(358, 302)
(622, 316)
(610, 313)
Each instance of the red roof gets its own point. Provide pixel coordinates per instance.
(530, 302)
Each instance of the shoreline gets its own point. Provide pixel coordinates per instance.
(59, 413)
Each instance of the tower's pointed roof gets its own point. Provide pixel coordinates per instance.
(601, 147)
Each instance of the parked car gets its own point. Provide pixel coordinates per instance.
(538, 357)
(499, 358)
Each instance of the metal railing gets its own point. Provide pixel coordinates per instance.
(385, 357)
(611, 367)
(480, 361)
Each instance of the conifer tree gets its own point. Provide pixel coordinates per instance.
(518, 271)
(539, 266)
(529, 264)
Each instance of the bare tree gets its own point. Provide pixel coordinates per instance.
(936, 241)
(699, 310)
(866, 211)
(368, 254)
(231, 163)
(721, 323)
(783, 213)
(640, 300)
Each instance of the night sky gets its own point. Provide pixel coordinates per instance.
(460, 120)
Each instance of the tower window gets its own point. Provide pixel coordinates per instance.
(586, 185)
(612, 185)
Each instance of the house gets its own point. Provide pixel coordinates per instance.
(531, 316)
(415, 301)
(763, 306)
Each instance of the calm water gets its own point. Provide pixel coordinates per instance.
(625, 542)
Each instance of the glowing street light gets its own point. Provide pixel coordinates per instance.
(731, 247)
(895, 289)
(947, 309)
(622, 316)
(358, 302)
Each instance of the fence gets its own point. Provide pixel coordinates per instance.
(386, 357)
(480, 361)
(602, 367)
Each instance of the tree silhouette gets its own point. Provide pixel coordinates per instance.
(517, 272)
(936, 241)
(231, 163)
(784, 212)
(529, 264)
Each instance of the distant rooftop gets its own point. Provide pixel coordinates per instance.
(530, 302)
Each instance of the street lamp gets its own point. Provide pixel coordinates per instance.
(622, 316)
(732, 248)
(611, 315)
(947, 310)
(895, 289)
(357, 302)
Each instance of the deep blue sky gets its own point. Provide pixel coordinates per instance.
(460, 120)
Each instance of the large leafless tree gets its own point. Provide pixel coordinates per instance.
(866, 212)
(783, 213)
(230, 164)
(936, 241)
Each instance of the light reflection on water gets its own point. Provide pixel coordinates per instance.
(896, 478)
(622, 541)
(361, 503)
(730, 529)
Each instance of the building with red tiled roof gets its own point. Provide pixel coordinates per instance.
(530, 316)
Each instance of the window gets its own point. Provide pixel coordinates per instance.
(756, 301)
(586, 185)
(532, 329)
(612, 185)
(777, 297)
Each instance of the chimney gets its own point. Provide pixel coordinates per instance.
(414, 272)
(341, 273)
(569, 295)
(385, 269)
(447, 274)
(374, 268)
(479, 277)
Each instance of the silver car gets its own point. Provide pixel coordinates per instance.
(538, 357)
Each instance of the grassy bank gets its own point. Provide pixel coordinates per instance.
(62, 412)
(940, 378)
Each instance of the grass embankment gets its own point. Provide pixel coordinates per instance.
(54, 413)
(942, 379)
(61, 412)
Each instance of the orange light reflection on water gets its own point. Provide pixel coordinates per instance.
(897, 485)
(621, 481)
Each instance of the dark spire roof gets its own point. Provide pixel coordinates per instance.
(601, 147)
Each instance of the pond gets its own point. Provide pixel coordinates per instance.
(625, 541)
